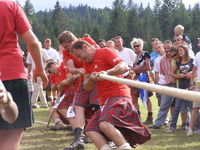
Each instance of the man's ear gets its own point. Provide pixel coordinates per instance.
(84, 46)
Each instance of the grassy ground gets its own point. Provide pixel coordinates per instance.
(39, 137)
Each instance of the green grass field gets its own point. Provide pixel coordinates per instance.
(39, 137)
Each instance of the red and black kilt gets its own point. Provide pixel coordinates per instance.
(84, 98)
(120, 112)
(68, 99)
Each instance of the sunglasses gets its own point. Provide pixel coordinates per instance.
(136, 46)
(178, 40)
(174, 55)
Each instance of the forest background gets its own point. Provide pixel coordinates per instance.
(125, 19)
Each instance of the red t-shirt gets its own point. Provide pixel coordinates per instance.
(62, 74)
(90, 41)
(106, 59)
(12, 20)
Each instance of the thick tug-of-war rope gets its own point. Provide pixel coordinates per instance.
(174, 92)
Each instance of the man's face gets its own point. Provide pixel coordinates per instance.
(102, 44)
(83, 54)
(47, 44)
(53, 69)
(159, 48)
(67, 46)
(178, 40)
(118, 43)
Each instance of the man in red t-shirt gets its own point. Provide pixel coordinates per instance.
(62, 81)
(12, 21)
(83, 99)
(118, 119)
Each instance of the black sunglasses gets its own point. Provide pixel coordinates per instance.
(136, 46)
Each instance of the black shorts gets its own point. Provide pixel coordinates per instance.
(19, 91)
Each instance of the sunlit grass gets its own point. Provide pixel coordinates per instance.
(39, 137)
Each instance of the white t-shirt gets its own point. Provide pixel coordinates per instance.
(197, 64)
(156, 68)
(45, 57)
(129, 56)
(53, 54)
(191, 53)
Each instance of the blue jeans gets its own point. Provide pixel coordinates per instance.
(163, 111)
(180, 105)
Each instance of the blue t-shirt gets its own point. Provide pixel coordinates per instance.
(153, 55)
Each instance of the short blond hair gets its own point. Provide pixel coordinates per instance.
(179, 29)
(137, 40)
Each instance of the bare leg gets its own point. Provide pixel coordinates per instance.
(135, 103)
(183, 118)
(96, 138)
(10, 139)
(79, 120)
(149, 105)
(194, 115)
(113, 133)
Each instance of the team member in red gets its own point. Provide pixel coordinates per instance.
(62, 81)
(117, 120)
(13, 22)
(82, 98)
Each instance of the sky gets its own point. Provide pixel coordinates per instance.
(49, 4)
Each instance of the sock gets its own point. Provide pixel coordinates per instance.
(138, 112)
(150, 113)
(57, 120)
(125, 146)
(106, 147)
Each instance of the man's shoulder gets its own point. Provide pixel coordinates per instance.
(128, 50)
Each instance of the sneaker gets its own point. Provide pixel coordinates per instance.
(171, 130)
(182, 128)
(190, 132)
(148, 121)
(155, 127)
(35, 106)
(167, 122)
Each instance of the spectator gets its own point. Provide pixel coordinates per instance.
(184, 65)
(101, 43)
(165, 70)
(196, 105)
(38, 88)
(141, 69)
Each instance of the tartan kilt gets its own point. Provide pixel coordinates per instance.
(120, 112)
(85, 98)
(68, 99)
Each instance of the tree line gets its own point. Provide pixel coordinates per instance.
(126, 19)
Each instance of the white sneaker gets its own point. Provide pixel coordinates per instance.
(190, 132)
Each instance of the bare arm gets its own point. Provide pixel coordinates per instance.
(90, 79)
(35, 49)
(118, 69)
(144, 68)
(193, 74)
(89, 82)
(72, 69)
(8, 108)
